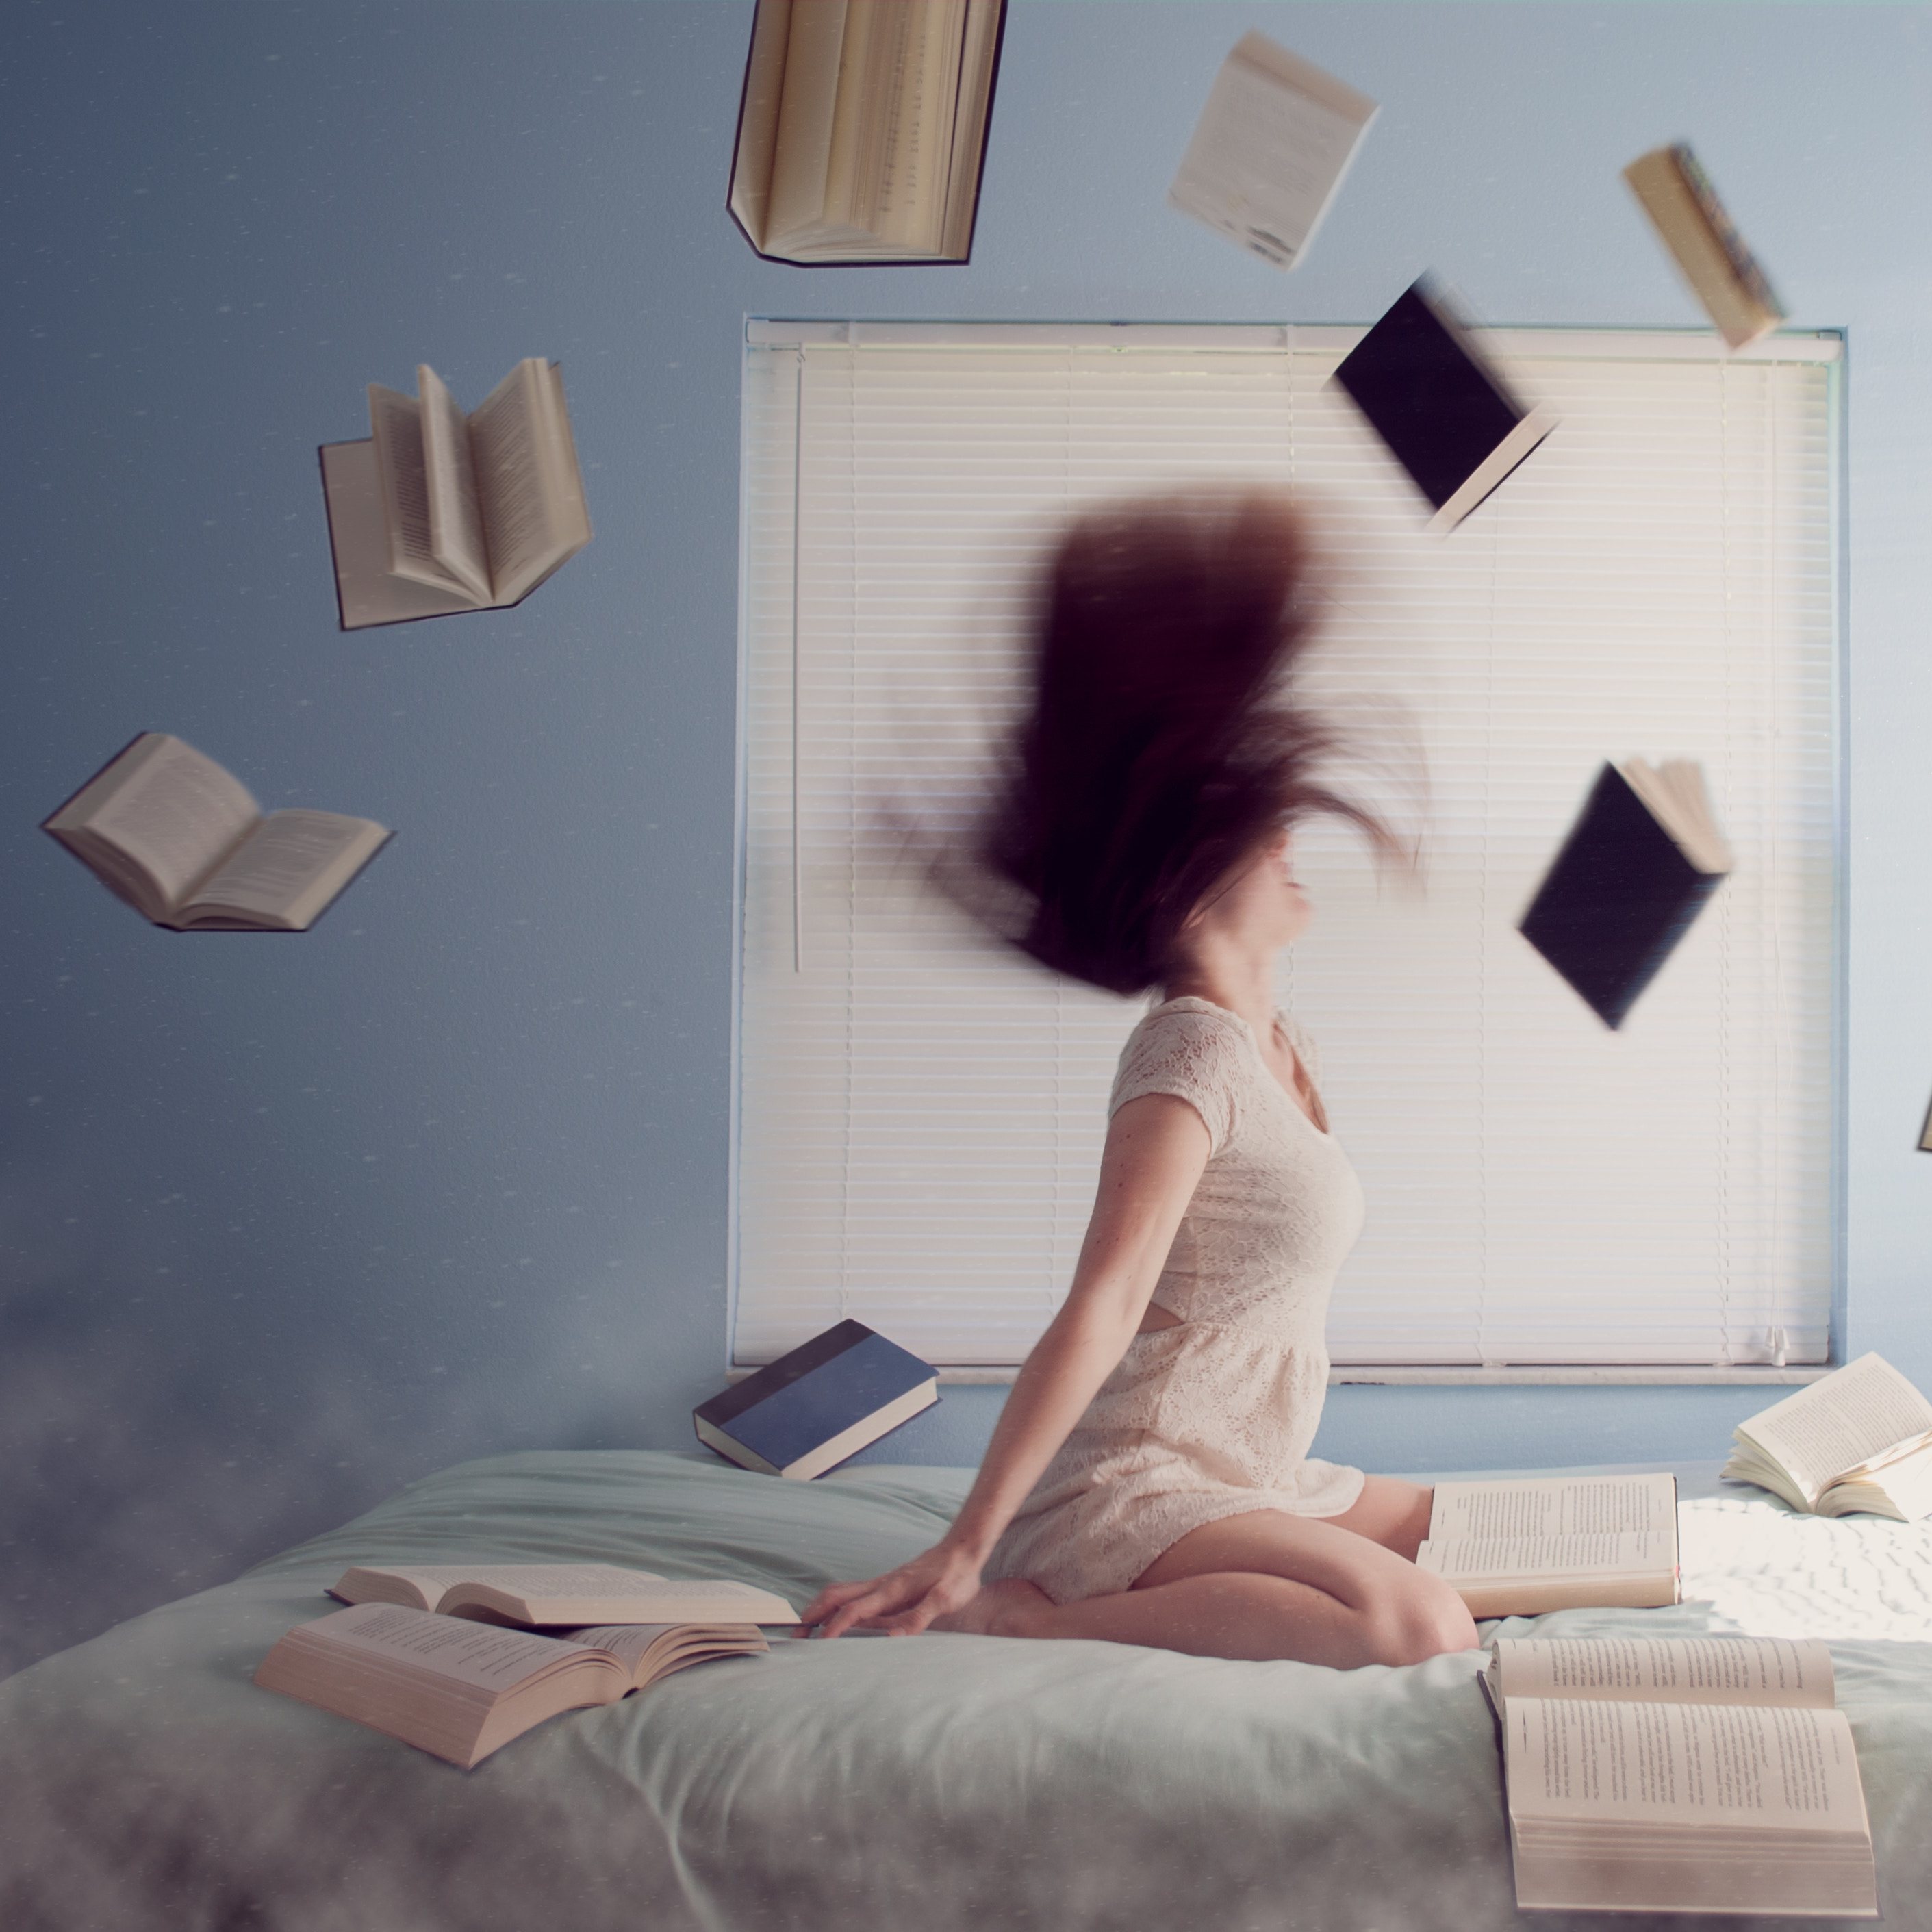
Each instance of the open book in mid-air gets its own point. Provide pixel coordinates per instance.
(1518, 1546)
(1860, 1440)
(438, 512)
(179, 839)
(863, 130)
(1708, 1774)
(558, 1593)
(460, 1689)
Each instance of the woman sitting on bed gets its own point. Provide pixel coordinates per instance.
(1149, 1480)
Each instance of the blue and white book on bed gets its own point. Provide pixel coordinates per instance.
(827, 1400)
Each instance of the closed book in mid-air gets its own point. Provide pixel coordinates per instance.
(1445, 412)
(1642, 858)
(829, 1398)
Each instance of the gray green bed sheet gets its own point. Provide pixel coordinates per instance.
(936, 1784)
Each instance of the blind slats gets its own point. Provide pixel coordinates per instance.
(920, 1112)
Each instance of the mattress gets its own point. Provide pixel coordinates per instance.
(948, 1784)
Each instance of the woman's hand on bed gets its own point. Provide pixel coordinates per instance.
(903, 1601)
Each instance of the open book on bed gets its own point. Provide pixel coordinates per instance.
(559, 1594)
(1860, 1440)
(1519, 1546)
(1681, 1774)
(460, 1689)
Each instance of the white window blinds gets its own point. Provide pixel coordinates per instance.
(920, 1113)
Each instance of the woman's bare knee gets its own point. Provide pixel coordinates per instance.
(1414, 1625)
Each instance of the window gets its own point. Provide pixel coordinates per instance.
(920, 1113)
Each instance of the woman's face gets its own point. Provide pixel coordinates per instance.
(1262, 906)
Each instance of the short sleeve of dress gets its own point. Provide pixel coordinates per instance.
(1198, 1055)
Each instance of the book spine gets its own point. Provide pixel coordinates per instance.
(1744, 264)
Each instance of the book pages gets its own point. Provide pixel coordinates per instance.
(396, 429)
(1676, 1670)
(176, 814)
(1482, 1558)
(1837, 1425)
(808, 102)
(523, 1580)
(455, 515)
(917, 136)
(287, 872)
(1273, 141)
(1683, 1765)
(973, 102)
(1553, 1506)
(480, 1657)
(507, 436)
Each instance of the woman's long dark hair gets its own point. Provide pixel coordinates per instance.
(1164, 747)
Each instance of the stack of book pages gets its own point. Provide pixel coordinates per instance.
(1681, 1774)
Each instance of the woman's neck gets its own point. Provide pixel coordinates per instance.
(1242, 983)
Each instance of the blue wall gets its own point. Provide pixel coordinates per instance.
(285, 1222)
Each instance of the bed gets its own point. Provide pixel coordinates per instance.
(941, 1784)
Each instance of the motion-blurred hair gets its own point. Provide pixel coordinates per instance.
(1164, 746)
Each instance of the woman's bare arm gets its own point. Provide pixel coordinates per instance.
(1156, 1147)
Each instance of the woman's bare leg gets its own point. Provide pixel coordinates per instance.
(1390, 1512)
(1261, 1585)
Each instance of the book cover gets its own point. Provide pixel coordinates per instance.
(1618, 897)
(825, 1401)
(1271, 149)
(1446, 416)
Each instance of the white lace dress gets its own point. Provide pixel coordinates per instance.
(1213, 1417)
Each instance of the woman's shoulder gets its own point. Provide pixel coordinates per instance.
(1188, 1016)
(1193, 1049)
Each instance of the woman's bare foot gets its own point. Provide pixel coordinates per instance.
(1003, 1608)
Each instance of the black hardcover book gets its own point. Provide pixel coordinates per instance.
(1448, 418)
(1635, 871)
(829, 1398)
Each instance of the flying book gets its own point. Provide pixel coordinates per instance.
(1519, 1546)
(460, 1690)
(1643, 856)
(1269, 151)
(1860, 1440)
(437, 512)
(1430, 394)
(825, 1401)
(862, 130)
(558, 1593)
(180, 839)
(1724, 275)
(1681, 1774)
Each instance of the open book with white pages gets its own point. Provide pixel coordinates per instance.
(1707, 1774)
(438, 511)
(1519, 1546)
(460, 1689)
(1860, 1440)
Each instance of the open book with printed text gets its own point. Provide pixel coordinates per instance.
(460, 1689)
(1519, 1546)
(559, 1593)
(182, 841)
(1707, 1774)
(1859, 1440)
(438, 511)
